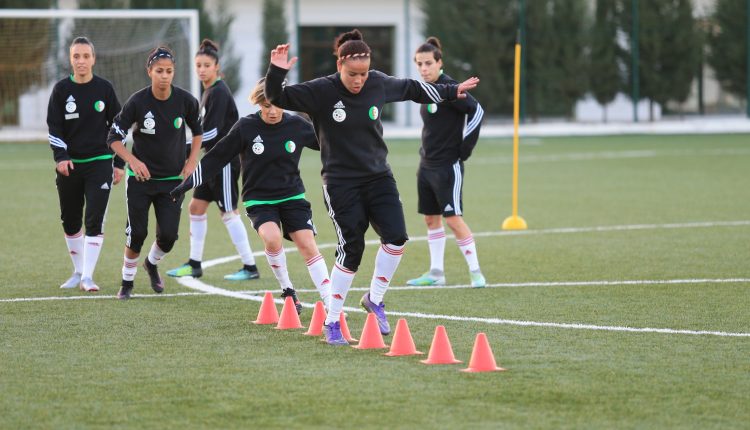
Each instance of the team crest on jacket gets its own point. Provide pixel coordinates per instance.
(339, 114)
(432, 108)
(373, 112)
(177, 122)
(258, 147)
(290, 146)
(70, 107)
(98, 105)
(149, 124)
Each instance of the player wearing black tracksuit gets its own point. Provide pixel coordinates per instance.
(78, 117)
(159, 142)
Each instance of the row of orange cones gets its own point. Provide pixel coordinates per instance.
(441, 352)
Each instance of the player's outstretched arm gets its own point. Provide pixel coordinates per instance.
(280, 57)
(467, 85)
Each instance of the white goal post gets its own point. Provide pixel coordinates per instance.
(34, 55)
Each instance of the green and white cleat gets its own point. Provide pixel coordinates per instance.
(72, 282)
(186, 270)
(477, 280)
(242, 275)
(426, 280)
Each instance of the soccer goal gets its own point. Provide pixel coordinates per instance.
(34, 55)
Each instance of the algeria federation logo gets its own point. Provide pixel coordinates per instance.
(258, 147)
(432, 108)
(373, 113)
(339, 115)
(177, 122)
(290, 146)
(98, 105)
(70, 106)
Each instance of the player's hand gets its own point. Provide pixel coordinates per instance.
(140, 170)
(466, 85)
(64, 167)
(280, 57)
(179, 190)
(189, 168)
(118, 174)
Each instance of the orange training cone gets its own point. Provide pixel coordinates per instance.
(482, 359)
(289, 318)
(345, 329)
(441, 351)
(371, 337)
(402, 344)
(267, 313)
(317, 320)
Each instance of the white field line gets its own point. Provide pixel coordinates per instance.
(95, 297)
(563, 230)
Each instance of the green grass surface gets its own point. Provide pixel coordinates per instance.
(196, 361)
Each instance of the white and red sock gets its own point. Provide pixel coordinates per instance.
(91, 249)
(319, 275)
(238, 234)
(155, 254)
(129, 268)
(198, 229)
(277, 261)
(469, 250)
(386, 263)
(75, 249)
(436, 241)
(341, 281)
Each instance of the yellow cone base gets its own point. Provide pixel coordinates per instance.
(514, 223)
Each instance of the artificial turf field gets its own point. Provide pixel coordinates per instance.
(625, 305)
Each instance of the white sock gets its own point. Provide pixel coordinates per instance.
(386, 263)
(129, 267)
(238, 234)
(92, 248)
(341, 280)
(436, 240)
(156, 254)
(198, 229)
(75, 249)
(277, 261)
(319, 275)
(469, 250)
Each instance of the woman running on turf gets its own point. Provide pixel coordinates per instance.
(218, 114)
(359, 188)
(157, 164)
(449, 135)
(270, 144)
(81, 109)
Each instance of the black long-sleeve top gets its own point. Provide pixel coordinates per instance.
(269, 155)
(218, 113)
(348, 125)
(451, 129)
(78, 117)
(159, 135)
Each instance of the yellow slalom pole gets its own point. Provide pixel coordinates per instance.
(515, 222)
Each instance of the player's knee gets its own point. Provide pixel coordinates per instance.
(135, 241)
(166, 242)
(71, 228)
(228, 217)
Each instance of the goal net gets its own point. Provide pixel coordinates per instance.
(34, 56)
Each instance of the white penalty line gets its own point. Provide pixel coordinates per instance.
(97, 296)
(205, 288)
(563, 230)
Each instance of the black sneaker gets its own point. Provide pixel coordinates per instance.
(125, 290)
(289, 292)
(156, 283)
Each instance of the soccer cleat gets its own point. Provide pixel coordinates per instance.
(125, 290)
(186, 270)
(477, 279)
(72, 282)
(242, 275)
(426, 280)
(88, 285)
(289, 292)
(333, 335)
(379, 311)
(153, 273)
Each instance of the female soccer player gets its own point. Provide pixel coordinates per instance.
(218, 114)
(157, 163)
(81, 109)
(449, 135)
(270, 142)
(359, 188)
